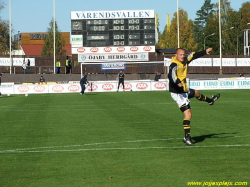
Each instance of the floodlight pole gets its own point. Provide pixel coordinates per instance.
(54, 31)
(205, 40)
(178, 24)
(220, 72)
(10, 31)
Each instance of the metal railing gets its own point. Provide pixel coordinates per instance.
(38, 70)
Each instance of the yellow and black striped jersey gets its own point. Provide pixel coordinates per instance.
(178, 72)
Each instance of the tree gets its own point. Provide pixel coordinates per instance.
(162, 39)
(48, 48)
(186, 32)
(201, 22)
(212, 27)
(4, 34)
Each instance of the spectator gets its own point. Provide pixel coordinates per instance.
(68, 65)
(28, 66)
(42, 79)
(157, 76)
(24, 66)
(58, 66)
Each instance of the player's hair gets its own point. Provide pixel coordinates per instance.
(179, 49)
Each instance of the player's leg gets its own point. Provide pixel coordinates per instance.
(123, 85)
(201, 97)
(118, 85)
(184, 105)
(186, 110)
(84, 87)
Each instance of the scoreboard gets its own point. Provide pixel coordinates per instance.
(114, 28)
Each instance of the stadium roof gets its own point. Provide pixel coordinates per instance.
(169, 51)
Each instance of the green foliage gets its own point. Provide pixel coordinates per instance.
(186, 32)
(205, 29)
(201, 21)
(4, 37)
(121, 139)
(48, 48)
(4, 34)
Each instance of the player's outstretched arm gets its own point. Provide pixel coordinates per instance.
(208, 50)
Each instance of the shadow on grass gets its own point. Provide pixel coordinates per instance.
(198, 139)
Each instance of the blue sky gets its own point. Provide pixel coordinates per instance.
(35, 15)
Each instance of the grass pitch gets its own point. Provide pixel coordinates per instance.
(122, 139)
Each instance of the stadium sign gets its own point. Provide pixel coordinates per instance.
(112, 14)
(113, 66)
(112, 57)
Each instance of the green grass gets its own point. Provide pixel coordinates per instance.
(122, 139)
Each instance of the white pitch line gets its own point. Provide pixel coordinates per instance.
(105, 143)
(126, 148)
(53, 148)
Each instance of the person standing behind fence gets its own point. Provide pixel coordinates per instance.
(58, 66)
(121, 77)
(67, 65)
(42, 79)
(157, 76)
(24, 67)
(70, 66)
(28, 66)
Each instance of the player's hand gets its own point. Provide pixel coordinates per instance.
(180, 85)
(208, 50)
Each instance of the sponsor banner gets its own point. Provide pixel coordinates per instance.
(215, 62)
(37, 88)
(64, 88)
(142, 86)
(137, 85)
(225, 62)
(16, 61)
(113, 66)
(112, 57)
(201, 62)
(76, 40)
(204, 84)
(108, 87)
(159, 85)
(121, 49)
(7, 88)
(112, 14)
(102, 86)
(220, 84)
(243, 61)
(243, 84)
(227, 84)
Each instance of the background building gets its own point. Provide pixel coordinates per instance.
(32, 43)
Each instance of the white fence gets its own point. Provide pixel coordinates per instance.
(98, 86)
(111, 86)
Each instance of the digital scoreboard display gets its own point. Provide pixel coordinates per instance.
(114, 28)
